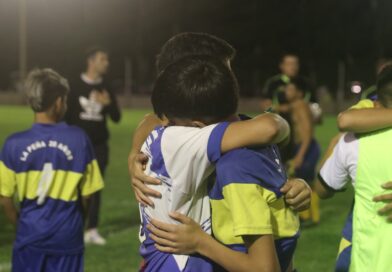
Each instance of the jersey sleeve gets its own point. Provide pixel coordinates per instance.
(249, 209)
(249, 183)
(7, 175)
(92, 179)
(340, 167)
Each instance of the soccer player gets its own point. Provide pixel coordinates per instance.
(52, 169)
(90, 104)
(357, 157)
(306, 149)
(182, 45)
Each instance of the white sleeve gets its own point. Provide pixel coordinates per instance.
(189, 154)
(341, 166)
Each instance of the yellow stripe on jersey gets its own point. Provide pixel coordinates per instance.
(7, 181)
(92, 180)
(63, 186)
(250, 209)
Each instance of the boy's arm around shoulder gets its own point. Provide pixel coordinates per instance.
(264, 129)
(359, 120)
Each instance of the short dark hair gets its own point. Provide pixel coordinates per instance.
(93, 50)
(43, 87)
(384, 86)
(193, 43)
(198, 88)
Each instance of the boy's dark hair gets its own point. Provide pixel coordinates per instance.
(384, 86)
(43, 87)
(193, 43)
(198, 88)
(92, 51)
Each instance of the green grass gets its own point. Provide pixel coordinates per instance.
(120, 217)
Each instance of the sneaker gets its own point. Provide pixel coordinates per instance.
(93, 237)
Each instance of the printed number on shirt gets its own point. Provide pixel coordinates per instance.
(44, 183)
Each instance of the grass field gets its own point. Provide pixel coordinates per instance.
(120, 217)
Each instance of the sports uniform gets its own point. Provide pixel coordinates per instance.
(50, 167)
(182, 158)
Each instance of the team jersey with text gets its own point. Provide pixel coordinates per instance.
(182, 159)
(49, 167)
(246, 200)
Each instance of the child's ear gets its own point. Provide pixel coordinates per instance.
(198, 124)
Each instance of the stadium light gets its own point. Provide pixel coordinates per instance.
(356, 87)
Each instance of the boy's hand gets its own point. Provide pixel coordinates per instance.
(387, 198)
(184, 238)
(297, 194)
(136, 166)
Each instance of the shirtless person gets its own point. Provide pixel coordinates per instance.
(306, 150)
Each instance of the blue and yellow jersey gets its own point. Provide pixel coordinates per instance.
(246, 200)
(49, 167)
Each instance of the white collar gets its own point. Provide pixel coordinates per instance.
(90, 81)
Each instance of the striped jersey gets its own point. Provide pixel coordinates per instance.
(49, 167)
(182, 159)
(246, 200)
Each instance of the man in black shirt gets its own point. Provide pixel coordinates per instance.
(90, 103)
(273, 93)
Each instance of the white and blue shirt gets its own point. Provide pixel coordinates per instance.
(182, 159)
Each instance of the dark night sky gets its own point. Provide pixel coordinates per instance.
(323, 32)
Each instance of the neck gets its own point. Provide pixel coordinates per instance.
(44, 118)
(92, 74)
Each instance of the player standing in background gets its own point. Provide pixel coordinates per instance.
(53, 170)
(273, 96)
(90, 103)
(306, 149)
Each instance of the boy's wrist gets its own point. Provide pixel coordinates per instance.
(203, 243)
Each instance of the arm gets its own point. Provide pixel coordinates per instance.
(365, 120)
(304, 124)
(336, 169)
(264, 129)
(137, 161)
(189, 237)
(322, 191)
(9, 209)
(108, 99)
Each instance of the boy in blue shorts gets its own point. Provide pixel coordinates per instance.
(52, 169)
(306, 149)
